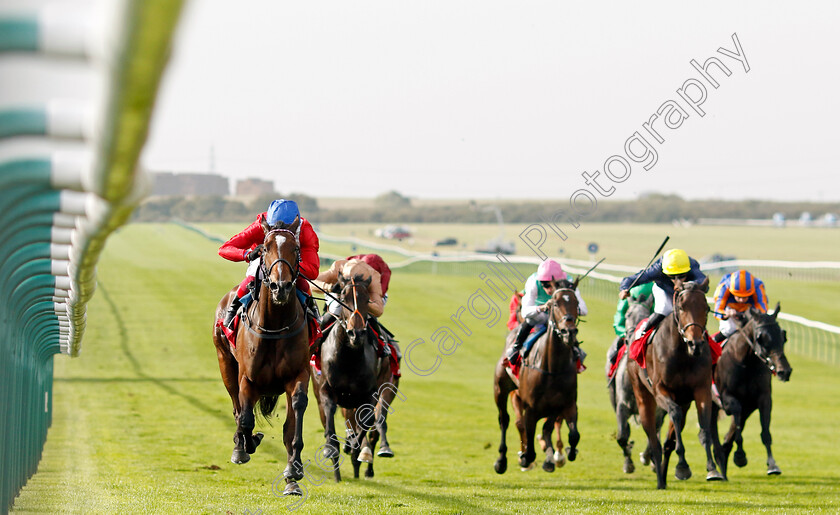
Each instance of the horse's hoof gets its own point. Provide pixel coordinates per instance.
(330, 452)
(287, 473)
(256, 438)
(366, 455)
(292, 489)
(572, 454)
(629, 468)
(773, 471)
(500, 466)
(529, 468)
(740, 458)
(548, 465)
(385, 452)
(239, 457)
(714, 475)
(644, 459)
(682, 472)
(368, 474)
(559, 459)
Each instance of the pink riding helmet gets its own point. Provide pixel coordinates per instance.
(550, 270)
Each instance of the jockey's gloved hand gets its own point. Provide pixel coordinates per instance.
(255, 253)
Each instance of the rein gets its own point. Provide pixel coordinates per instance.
(290, 330)
(755, 347)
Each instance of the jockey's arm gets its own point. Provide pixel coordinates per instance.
(529, 300)
(235, 248)
(309, 261)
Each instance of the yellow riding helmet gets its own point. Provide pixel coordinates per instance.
(675, 262)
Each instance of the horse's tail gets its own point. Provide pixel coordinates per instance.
(267, 404)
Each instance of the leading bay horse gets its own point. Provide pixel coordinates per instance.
(355, 378)
(679, 370)
(271, 355)
(547, 385)
(750, 358)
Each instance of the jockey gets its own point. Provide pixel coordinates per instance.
(736, 293)
(673, 265)
(539, 288)
(639, 294)
(247, 246)
(369, 266)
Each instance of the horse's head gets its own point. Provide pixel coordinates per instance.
(280, 263)
(769, 341)
(637, 310)
(690, 312)
(564, 310)
(355, 294)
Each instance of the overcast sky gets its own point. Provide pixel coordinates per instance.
(488, 99)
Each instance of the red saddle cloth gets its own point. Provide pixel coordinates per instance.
(614, 366)
(637, 348)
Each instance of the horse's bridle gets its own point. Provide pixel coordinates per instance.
(564, 333)
(356, 311)
(757, 349)
(294, 269)
(683, 329)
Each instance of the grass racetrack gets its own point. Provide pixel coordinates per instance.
(142, 422)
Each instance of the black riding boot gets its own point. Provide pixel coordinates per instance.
(521, 336)
(385, 350)
(718, 337)
(230, 314)
(652, 322)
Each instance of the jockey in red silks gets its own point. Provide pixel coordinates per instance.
(246, 246)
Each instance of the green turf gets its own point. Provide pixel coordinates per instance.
(142, 422)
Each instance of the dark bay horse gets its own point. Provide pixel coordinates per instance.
(621, 390)
(271, 356)
(742, 376)
(356, 379)
(679, 368)
(547, 385)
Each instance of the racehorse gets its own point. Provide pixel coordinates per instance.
(621, 390)
(742, 376)
(271, 355)
(355, 378)
(679, 370)
(547, 385)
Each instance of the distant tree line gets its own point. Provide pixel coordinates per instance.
(393, 207)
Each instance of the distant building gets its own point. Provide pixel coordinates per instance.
(254, 188)
(189, 184)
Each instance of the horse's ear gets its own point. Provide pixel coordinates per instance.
(575, 284)
(705, 285)
(341, 278)
(678, 284)
(265, 227)
(367, 281)
(776, 311)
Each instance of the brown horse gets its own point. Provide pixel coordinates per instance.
(271, 355)
(742, 377)
(679, 370)
(547, 385)
(356, 379)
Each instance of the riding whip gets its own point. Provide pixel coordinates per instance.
(649, 262)
(591, 269)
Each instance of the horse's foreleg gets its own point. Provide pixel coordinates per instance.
(733, 407)
(622, 415)
(331, 446)
(501, 398)
(548, 428)
(530, 422)
(703, 403)
(297, 400)
(243, 439)
(382, 409)
(765, 406)
(677, 415)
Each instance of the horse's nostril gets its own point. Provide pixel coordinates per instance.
(273, 286)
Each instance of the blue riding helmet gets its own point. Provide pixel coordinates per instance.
(282, 210)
